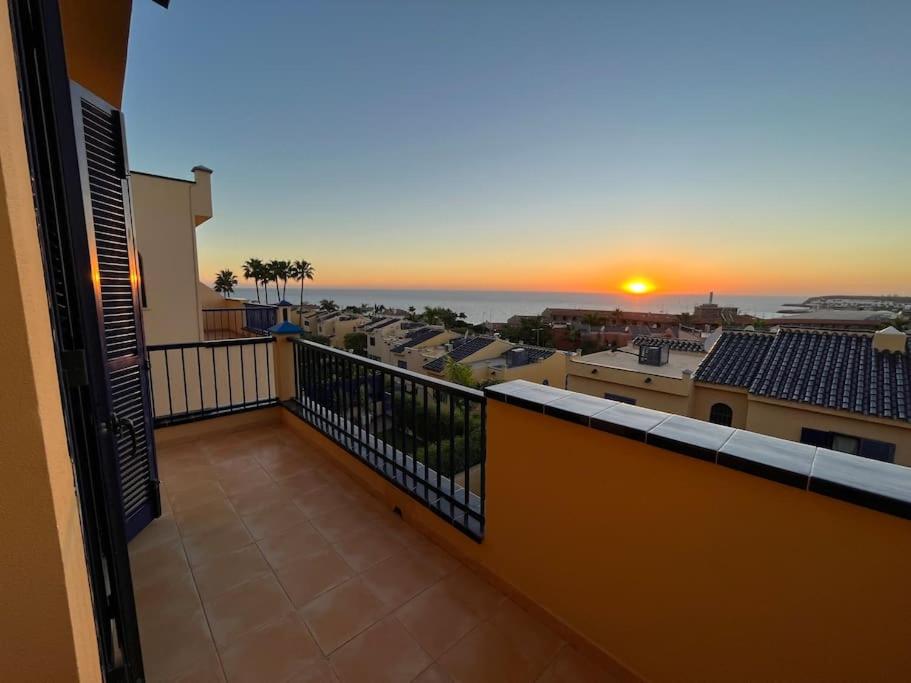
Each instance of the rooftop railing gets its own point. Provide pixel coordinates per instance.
(198, 380)
(253, 320)
(424, 435)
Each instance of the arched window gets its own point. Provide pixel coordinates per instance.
(721, 414)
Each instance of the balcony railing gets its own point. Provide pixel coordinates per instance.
(198, 380)
(425, 436)
(253, 320)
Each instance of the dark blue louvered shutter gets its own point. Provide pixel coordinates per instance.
(106, 198)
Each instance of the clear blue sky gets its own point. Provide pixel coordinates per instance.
(747, 147)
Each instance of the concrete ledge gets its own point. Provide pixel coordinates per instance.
(881, 486)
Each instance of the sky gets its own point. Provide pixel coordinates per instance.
(752, 148)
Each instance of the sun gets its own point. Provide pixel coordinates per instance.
(638, 286)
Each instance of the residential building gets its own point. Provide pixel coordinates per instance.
(656, 322)
(316, 527)
(836, 319)
(406, 351)
(492, 359)
(633, 375)
(166, 214)
(846, 391)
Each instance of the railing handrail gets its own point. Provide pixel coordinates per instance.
(222, 310)
(240, 341)
(458, 389)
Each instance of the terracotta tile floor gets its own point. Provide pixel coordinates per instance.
(271, 564)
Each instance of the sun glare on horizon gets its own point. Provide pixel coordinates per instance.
(638, 286)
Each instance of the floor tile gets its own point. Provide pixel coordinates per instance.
(237, 482)
(308, 576)
(433, 674)
(302, 484)
(160, 531)
(534, 641)
(399, 579)
(256, 498)
(193, 496)
(205, 518)
(272, 653)
(168, 598)
(485, 656)
(273, 519)
(177, 646)
(227, 571)
(217, 543)
(383, 653)
(341, 613)
(570, 666)
(366, 547)
(470, 590)
(327, 498)
(343, 521)
(319, 672)
(156, 563)
(293, 544)
(436, 619)
(246, 607)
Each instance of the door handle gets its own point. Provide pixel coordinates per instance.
(118, 425)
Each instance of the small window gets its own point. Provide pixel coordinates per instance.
(403, 364)
(621, 399)
(721, 414)
(546, 383)
(372, 341)
(846, 444)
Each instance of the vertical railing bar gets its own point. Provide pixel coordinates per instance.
(255, 373)
(483, 482)
(243, 377)
(451, 399)
(467, 450)
(438, 454)
(167, 371)
(426, 461)
(268, 371)
(215, 378)
(183, 373)
(230, 383)
(202, 398)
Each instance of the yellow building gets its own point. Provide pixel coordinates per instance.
(166, 213)
(492, 359)
(840, 390)
(406, 350)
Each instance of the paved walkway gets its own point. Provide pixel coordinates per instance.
(271, 564)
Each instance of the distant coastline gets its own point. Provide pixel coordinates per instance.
(496, 306)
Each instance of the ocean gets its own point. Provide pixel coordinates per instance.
(497, 306)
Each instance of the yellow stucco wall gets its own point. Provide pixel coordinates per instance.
(704, 397)
(46, 626)
(552, 369)
(165, 231)
(675, 569)
(661, 394)
(785, 421)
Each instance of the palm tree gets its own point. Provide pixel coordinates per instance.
(411, 312)
(279, 270)
(225, 280)
(300, 271)
(253, 269)
(328, 305)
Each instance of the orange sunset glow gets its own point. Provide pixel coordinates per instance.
(638, 285)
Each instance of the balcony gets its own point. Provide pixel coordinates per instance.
(271, 562)
(369, 523)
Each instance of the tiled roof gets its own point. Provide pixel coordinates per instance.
(689, 345)
(465, 347)
(411, 324)
(735, 359)
(417, 336)
(837, 370)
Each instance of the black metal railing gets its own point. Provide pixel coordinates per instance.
(199, 380)
(253, 320)
(424, 435)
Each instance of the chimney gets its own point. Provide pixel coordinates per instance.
(891, 340)
(711, 296)
(201, 195)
